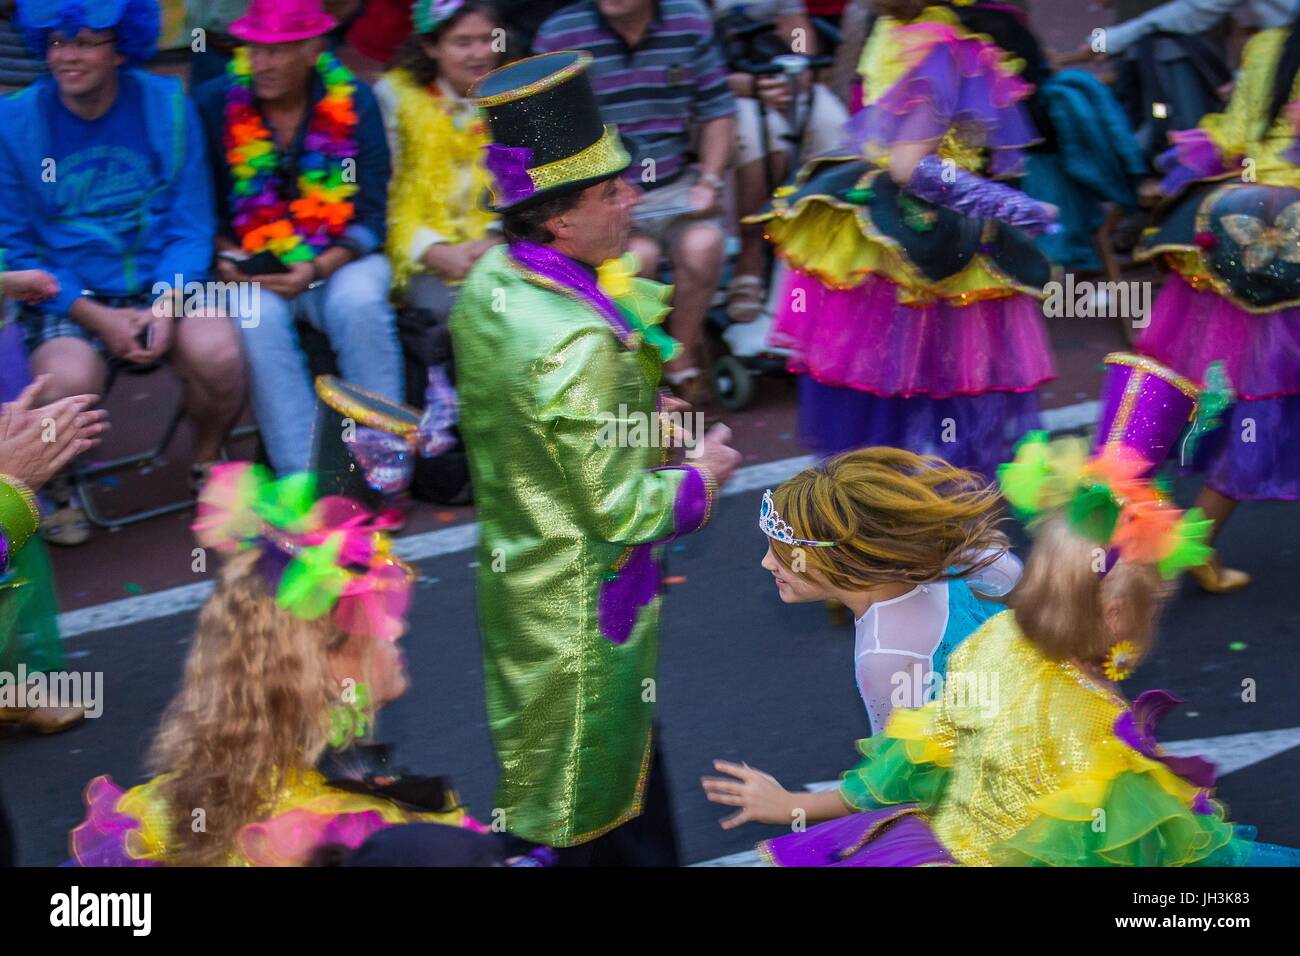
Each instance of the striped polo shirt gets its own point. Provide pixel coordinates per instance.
(655, 91)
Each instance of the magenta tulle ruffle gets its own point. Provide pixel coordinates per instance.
(863, 338)
(1191, 329)
(1193, 156)
(101, 839)
(288, 839)
(960, 82)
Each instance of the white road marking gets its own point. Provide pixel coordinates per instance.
(1230, 752)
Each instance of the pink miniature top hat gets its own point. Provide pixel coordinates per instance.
(282, 21)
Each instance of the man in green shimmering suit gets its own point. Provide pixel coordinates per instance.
(552, 359)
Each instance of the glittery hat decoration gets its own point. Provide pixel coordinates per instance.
(363, 445)
(775, 527)
(548, 138)
(1108, 494)
(318, 555)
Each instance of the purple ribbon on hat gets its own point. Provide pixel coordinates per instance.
(1137, 728)
(509, 167)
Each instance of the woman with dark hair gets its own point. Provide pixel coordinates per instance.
(437, 226)
(1233, 295)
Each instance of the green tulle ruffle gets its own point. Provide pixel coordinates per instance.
(889, 775)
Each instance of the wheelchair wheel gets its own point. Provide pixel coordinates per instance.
(733, 383)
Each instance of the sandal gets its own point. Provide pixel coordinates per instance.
(745, 297)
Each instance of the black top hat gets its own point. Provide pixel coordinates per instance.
(548, 137)
(362, 444)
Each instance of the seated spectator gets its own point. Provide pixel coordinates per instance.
(438, 226)
(762, 160)
(106, 189)
(301, 170)
(660, 78)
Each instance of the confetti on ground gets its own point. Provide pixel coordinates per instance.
(1193, 713)
(786, 436)
(679, 547)
(446, 516)
(472, 564)
(676, 579)
(1236, 646)
(133, 588)
(76, 654)
(109, 482)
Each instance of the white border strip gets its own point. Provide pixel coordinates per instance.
(434, 544)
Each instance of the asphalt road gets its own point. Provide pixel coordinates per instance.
(743, 676)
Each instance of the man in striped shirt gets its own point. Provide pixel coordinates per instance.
(660, 77)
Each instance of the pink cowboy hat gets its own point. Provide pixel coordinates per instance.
(282, 21)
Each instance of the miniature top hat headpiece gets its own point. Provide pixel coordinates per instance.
(362, 444)
(1108, 495)
(548, 137)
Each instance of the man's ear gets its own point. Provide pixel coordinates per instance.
(558, 226)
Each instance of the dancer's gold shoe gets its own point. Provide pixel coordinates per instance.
(1214, 578)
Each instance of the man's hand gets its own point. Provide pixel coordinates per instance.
(760, 797)
(703, 200)
(36, 442)
(163, 325)
(714, 454)
(773, 91)
(119, 328)
(30, 285)
(291, 284)
(228, 270)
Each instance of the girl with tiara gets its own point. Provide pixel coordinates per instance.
(1232, 243)
(910, 545)
(258, 759)
(1031, 755)
(911, 307)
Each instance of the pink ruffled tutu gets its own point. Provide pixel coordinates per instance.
(1256, 455)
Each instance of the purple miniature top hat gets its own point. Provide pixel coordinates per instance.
(1145, 407)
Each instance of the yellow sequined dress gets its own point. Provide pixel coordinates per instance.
(1026, 761)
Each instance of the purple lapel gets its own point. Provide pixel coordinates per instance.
(558, 269)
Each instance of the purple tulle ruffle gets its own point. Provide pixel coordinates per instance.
(101, 839)
(960, 82)
(890, 837)
(1191, 329)
(1193, 156)
(983, 429)
(863, 338)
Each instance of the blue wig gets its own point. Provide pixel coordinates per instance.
(135, 23)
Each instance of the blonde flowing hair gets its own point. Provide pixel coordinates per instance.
(253, 706)
(1061, 599)
(894, 515)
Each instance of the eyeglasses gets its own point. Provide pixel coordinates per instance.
(77, 43)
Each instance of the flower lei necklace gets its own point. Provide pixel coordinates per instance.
(295, 231)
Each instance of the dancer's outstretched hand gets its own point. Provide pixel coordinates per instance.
(760, 797)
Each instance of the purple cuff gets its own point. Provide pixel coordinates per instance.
(4, 552)
(1194, 156)
(950, 186)
(694, 503)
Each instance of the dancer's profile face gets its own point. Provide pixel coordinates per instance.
(598, 227)
(795, 587)
(377, 663)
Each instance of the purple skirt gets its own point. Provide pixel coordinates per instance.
(895, 836)
(1255, 456)
(978, 432)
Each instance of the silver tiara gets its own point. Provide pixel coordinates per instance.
(774, 526)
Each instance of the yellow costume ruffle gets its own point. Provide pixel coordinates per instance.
(426, 189)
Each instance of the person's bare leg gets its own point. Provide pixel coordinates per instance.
(1215, 577)
(647, 252)
(73, 367)
(697, 266)
(210, 364)
(751, 193)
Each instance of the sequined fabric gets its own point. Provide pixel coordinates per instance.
(1026, 727)
(542, 376)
